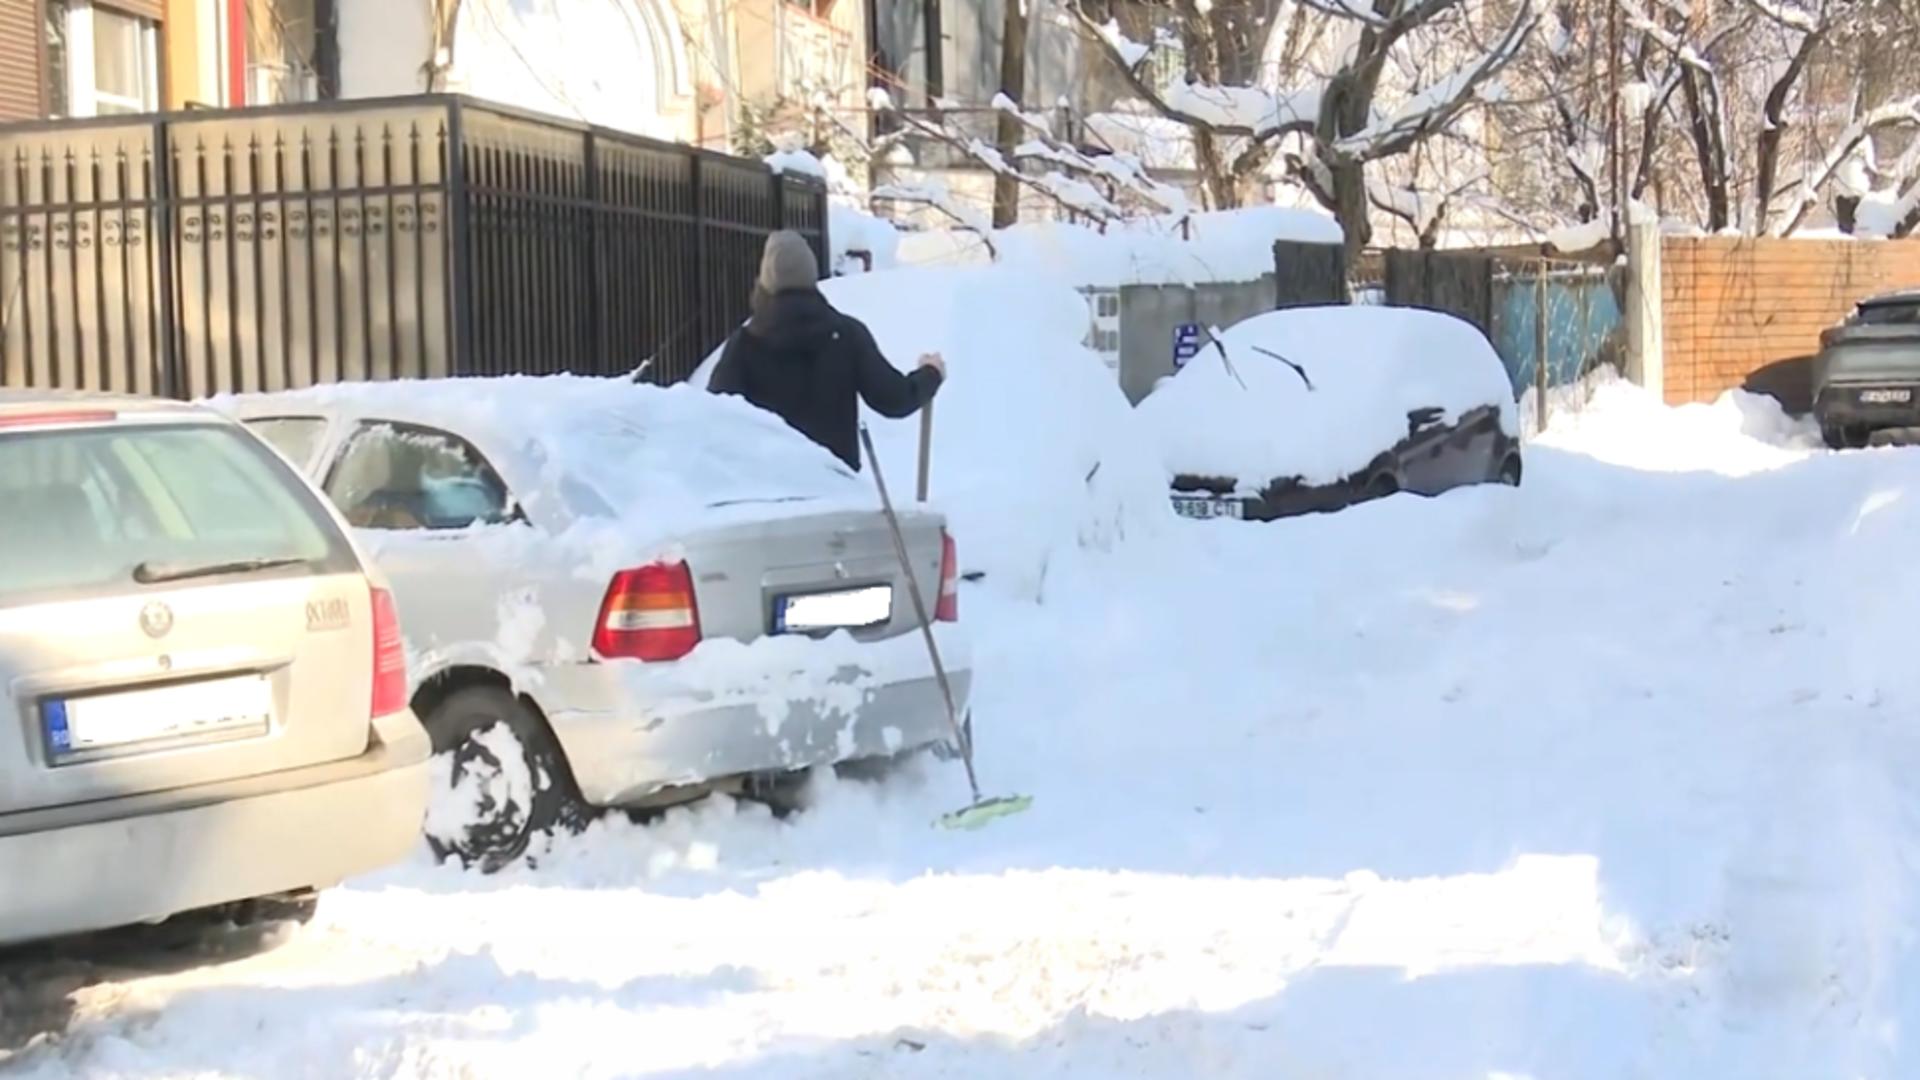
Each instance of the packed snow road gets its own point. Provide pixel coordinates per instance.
(1610, 776)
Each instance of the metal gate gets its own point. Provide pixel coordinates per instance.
(264, 249)
(1306, 275)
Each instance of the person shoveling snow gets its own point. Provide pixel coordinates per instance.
(800, 359)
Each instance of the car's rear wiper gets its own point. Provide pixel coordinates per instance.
(152, 573)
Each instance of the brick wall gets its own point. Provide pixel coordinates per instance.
(1731, 307)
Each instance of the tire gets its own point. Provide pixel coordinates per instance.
(1510, 471)
(1382, 485)
(1834, 436)
(532, 791)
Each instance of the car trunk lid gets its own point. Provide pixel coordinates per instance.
(175, 610)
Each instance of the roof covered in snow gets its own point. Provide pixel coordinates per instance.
(1252, 416)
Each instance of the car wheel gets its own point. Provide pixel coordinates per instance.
(1834, 436)
(1382, 485)
(499, 779)
(1510, 471)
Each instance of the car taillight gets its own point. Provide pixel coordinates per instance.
(58, 416)
(649, 614)
(948, 610)
(389, 657)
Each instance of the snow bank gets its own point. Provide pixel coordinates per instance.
(1253, 418)
(1612, 420)
(853, 232)
(1032, 452)
(1235, 245)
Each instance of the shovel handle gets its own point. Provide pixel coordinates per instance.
(926, 449)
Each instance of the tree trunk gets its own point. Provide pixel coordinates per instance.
(1215, 174)
(1773, 131)
(1013, 83)
(1713, 180)
(1350, 206)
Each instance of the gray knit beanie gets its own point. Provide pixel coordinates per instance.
(788, 263)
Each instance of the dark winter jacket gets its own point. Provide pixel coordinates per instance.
(810, 365)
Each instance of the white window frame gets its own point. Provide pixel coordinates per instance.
(84, 96)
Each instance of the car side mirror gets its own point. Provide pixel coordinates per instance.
(1423, 418)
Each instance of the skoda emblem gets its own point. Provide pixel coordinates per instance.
(156, 619)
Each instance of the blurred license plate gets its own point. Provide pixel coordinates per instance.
(849, 609)
(1885, 397)
(1205, 508)
(231, 708)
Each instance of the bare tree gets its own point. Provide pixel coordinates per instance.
(1324, 126)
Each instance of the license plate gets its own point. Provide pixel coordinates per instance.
(847, 609)
(1885, 397)
(1206, 508)
(226, 708)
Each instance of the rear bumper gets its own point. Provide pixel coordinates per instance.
(146, 857)
(631, 729)
(1840, 404)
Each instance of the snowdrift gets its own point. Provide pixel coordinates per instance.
(1251, 417)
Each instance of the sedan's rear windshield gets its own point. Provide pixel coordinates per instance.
(1887, 314)
(83, 509)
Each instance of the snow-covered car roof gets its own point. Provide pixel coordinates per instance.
(1317, 393)
(575, 447)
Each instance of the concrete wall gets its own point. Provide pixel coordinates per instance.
(1149, 314)
(1731, 309)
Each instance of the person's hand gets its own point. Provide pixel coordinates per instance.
(933, 360)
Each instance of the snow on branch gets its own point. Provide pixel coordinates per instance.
(1129, 52)
(1902, 113)
(1791, 16)
(1638, 18)
(1435, 105)
(937, 197)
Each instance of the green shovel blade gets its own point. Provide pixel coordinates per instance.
(984, 811)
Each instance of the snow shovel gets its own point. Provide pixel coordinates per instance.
(981, 810)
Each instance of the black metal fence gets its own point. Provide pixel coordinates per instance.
(264, 249)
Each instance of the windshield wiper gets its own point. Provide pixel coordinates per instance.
(152, 573)
(1302, 372)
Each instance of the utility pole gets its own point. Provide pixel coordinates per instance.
(1013, 83)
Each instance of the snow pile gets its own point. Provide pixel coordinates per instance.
(1032, 452)
(854, 233)
(1252, 416)
(796, 160)
(1233, 245)
(1614, 421)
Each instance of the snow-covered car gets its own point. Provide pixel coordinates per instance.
(1313, 409)
(204, 684)
(620, 595)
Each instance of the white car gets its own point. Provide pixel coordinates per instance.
(619, 595)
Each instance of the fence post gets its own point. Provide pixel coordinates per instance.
(1646, 335)
(459, 247)
(167, 379)
(599, 340)
(1540, 379)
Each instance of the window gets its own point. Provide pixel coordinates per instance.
(397, 476)
(56, 71)
(100, 62)
(123, 76)
(1887, 314)
(86, 506)
(296, 437)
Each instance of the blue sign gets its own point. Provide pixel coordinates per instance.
(1186, 343)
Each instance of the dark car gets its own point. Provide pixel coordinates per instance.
(1866, 380)
(1315, 409)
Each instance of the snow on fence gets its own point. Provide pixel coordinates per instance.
(258, 249)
